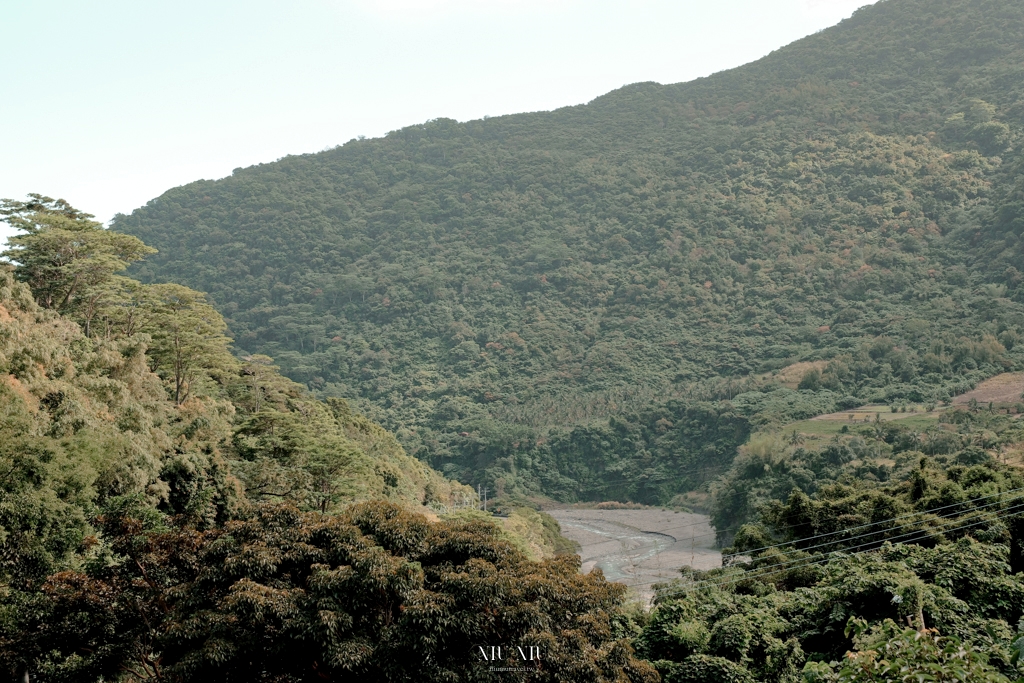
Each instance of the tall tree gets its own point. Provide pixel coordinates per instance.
(64, 256)
(188, 336)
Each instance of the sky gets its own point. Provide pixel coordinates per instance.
(109, 103)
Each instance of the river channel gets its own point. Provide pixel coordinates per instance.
(640, 547)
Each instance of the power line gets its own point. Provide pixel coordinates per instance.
(923, 535)
(871, 524)
(782, 566)
(838, 531)
(735, 494)
(978, 512)
(800, 563)
(862, 536)
(755, 575)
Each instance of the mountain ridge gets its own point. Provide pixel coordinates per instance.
(488, 288)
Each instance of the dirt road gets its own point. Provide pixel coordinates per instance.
(640, 547)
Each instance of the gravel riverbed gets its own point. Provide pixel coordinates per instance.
(640, 547)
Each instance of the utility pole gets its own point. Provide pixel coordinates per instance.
(485, 498)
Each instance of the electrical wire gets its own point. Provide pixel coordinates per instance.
(812, 562)
(871, 524)
(841, 531)
(800, 563)
(951, 516)
(902, 538)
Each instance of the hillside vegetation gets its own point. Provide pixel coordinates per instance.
(153, 407)
(887, 553)
(503, 293)
(137, 542)
(169, 511)
(632, 299)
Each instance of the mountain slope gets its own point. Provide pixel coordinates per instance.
(559, 301)
(86, 423)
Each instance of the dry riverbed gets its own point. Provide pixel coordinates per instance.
(640, 547)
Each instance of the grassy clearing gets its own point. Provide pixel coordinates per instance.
(823, 427)
(1003, 391)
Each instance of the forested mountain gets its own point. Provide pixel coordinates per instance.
(622, 300)
(169, 511)
(153, 407)
(590, 302)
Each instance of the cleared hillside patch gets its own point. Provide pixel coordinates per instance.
(1003, 391)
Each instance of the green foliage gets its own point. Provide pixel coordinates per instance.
(107, 439)
(708, 669)
(864, 530)
(100, 394)
(322, 455)
(538, 534)
(650, 456)
(83, 420)
(66, 258)
(373, 594)
(868, 474)
(602, 302)
(767, 628)
(188, 335)
(131, 454)
(849, 198)
(886, 652)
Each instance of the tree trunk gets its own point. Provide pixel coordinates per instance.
(1016, 524)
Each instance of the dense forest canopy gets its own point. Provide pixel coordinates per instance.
(495, 291)
(169, 511)
(137, 542)
(152, 404)
(883, 552)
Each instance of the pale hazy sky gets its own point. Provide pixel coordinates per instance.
(109, 103)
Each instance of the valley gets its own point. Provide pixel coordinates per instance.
(349, 415)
